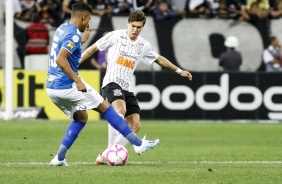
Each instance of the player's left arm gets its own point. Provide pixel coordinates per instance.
(162, 61)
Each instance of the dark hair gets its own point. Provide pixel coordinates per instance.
(81, 6)
(35, 18)
(137, 15)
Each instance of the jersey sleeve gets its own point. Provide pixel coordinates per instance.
(150, 55)
(71, 42)
(106, 41)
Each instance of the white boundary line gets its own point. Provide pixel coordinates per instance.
(151, 163)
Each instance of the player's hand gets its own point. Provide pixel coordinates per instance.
(186, 74)
(85, 35)
(80, 86)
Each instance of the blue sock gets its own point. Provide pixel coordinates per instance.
(70, 136)
(119, 124)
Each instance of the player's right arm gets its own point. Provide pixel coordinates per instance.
(88, 52)
(103, 43)
(64, 65)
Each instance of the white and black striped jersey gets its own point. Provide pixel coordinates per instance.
(124, 56)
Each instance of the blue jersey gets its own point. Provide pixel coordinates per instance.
(67, 36)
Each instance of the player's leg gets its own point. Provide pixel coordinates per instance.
(119, 106)
(93, 100)
(79, 120)
(133, 121)
(69, 102)
(113, 93)
(96, 102)
(132, 116)
(120, 124)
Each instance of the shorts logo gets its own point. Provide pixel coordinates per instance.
(82, 107)
(117, 92)
(70, 45)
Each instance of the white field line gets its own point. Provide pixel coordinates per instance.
(151, 163)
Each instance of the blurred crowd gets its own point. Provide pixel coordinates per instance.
(57, 11)
(54, 12)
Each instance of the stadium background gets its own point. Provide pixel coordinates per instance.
(192, 44)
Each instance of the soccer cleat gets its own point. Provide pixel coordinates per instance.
(101, 160)
(56, 162)
(146, 145)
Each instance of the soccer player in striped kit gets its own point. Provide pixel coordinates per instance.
(125, 50)
(74, 96)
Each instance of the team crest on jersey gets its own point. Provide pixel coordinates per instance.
(123, 41)
(139, 49)
(75, 38)
(70, 45)
(117, 92)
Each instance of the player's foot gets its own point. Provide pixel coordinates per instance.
(101, 160)
(56, 162)
(146, 145)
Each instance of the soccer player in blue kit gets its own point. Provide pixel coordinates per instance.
(74, 96)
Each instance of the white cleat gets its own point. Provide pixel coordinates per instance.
(56, 162)
(146, 145)
(101, 160)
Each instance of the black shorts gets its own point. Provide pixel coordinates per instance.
(113, 91)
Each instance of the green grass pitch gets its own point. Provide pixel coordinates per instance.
(189, 152)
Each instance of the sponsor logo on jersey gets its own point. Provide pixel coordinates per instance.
(122, 82)
(117, 92)
(51, 78)
(70, 45)
(128, 55)
(125, 62)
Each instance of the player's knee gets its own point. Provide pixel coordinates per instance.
(81, 116)
(121, 111)
(102, 107)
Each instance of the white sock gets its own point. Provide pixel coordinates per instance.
(112, 135)
(121, 140)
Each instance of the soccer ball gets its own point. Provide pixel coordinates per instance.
(116, 155)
